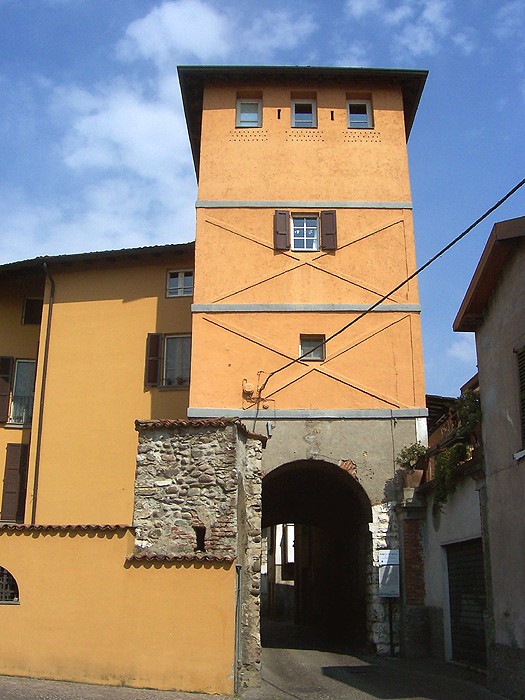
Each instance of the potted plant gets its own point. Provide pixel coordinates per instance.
(408, 459)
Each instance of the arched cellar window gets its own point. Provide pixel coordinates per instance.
(8, 587)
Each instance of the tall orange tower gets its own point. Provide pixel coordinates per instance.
(304, 221)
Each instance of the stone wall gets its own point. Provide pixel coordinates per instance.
(384, 529)
(198, 496)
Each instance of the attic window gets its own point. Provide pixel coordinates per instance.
(359, 114)
(304, 114)
(249, 113)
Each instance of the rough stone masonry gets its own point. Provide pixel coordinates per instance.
(198, 496)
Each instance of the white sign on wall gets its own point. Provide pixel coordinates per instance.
(389, 573)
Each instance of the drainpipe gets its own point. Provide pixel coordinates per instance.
(42, 392)
(238, 640)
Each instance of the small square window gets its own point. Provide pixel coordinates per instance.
(305, 232)
(304, 113)
(179, 283)
(359, 114)
(32, 313)
(249, 113)
(312, 347)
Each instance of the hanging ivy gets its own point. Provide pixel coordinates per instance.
(446, 468)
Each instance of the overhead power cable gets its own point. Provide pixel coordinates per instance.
(397, 287)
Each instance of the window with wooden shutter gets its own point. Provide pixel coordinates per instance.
(521, 374)
(281, 230)
(6, 372)
(15, 483)
(328, 230)
(153, 359)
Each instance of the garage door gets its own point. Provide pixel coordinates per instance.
(466, 580)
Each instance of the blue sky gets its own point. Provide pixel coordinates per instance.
(94, 148)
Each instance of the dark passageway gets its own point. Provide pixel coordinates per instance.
(330, 513)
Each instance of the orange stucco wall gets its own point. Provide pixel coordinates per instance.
(279, 162)
(94, 389)
(378, 362)
(87, 615)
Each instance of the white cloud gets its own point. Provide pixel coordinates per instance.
(463, 350)
(120, 128)
(361, 8)
(399, 14)
(275, 31)
(175, 31)
(356, 54)
(510, 20)
(466, 41)
(421, 25)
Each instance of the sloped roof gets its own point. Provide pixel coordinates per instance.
(501, 244)
(22, 267)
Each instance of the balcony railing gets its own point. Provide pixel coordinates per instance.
(21, 409)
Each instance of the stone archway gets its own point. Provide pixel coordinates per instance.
(330, 513)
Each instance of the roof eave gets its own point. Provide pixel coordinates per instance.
(500, 245)
(193, 78)
(21, 267)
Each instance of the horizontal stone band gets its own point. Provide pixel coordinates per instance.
(295, 204)
(305, 414)
(300, 308)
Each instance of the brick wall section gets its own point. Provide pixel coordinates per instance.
(414, 578)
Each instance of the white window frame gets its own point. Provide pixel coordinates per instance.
(181, 290)
(316, 340)
(313, 103)
(317, 239)
(369, 115)
(238, 113)
(182, 379)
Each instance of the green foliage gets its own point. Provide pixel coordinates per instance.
(447, 463)
(468, 410)
(409, 455)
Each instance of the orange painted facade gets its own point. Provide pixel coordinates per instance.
(104, 330)
(245, 175)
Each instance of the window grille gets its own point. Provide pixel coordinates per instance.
(8, 587)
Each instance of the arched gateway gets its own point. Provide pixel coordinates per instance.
(315, 519)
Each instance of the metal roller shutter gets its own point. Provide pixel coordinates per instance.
(466, 579)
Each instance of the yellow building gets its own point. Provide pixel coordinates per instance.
(144, 569)
(76, 607)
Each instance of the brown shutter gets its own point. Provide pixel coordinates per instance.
(328, 230)
(15, 482)
(153, 357)
(281, 230)
(521, 370)
(6, 371)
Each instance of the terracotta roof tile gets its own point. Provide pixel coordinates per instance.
(197, 556)
(198, 423)
(64, 528)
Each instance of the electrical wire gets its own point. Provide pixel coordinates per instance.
(397, 287)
